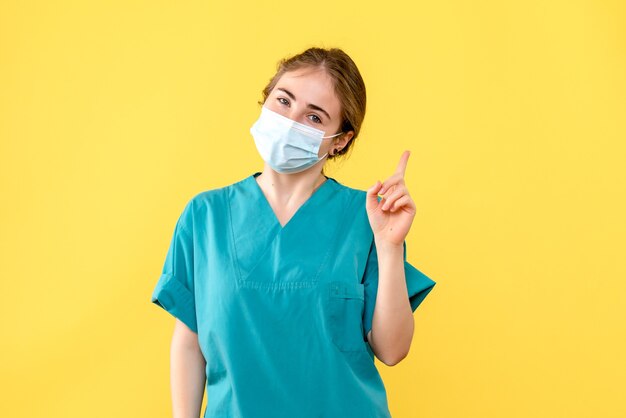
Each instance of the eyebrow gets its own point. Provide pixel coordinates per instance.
(310, 105)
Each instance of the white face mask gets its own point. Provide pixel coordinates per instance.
(286, 145)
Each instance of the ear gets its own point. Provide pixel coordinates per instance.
(343, 140)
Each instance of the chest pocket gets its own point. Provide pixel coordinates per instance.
(345, 302)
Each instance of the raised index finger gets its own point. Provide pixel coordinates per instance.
(401, 169)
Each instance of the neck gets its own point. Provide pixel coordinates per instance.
(287, 186)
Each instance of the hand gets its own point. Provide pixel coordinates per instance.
(391, 218)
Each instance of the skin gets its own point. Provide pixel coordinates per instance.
(187, 372)
(390, 219)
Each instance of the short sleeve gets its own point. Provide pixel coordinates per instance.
(174, 290)
(418, 286)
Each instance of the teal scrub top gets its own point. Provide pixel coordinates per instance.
(281, 312)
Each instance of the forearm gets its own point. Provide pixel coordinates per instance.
(392, 321)
(188, 377)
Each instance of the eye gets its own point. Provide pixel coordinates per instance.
(317, 118)
(285, 100)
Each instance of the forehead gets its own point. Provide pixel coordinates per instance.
(311, 86)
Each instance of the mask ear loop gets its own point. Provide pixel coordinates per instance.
(334, 153)
(327, 154)
(332, 136)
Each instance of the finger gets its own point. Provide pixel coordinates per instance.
(371, 198)
(401, 202)
(397, 193)
(391, 183)
(401, 168)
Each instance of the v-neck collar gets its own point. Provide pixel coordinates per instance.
(322, 189)
(290, 257)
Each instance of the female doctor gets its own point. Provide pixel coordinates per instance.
(287, 283)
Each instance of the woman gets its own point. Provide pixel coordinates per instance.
(286, 284)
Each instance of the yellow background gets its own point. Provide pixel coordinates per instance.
(113, 114)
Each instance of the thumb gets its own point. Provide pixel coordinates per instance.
(371, 199)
